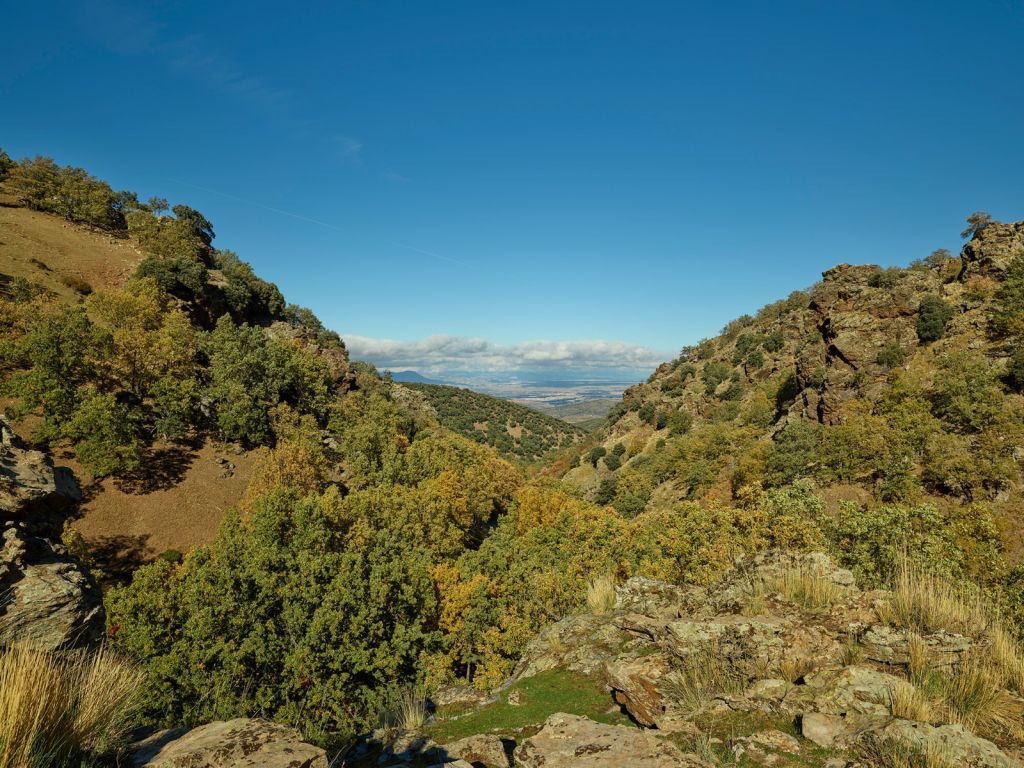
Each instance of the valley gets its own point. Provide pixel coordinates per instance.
(194, 469)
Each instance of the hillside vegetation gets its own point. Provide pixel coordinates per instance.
(514, 430)
(875, 417)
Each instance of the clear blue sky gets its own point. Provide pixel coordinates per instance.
(512, 171)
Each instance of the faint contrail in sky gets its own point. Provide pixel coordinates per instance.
(298, 216)
(318, 222)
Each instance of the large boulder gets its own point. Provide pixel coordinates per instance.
(955, 743)
(571, 741)
(49, 601)
(240, 743)
(482, 749)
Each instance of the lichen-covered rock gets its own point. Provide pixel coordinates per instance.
(240, 743)
(889, 645)
(959, 746)
(992, 249)
(458, 697)
(635, 684)
(579, 643)
(648, 597)
(482, 749)
(570, 741)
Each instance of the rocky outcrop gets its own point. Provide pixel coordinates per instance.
(856, 321)
(46, 598)
(992, 249)
(241, 743)
(783, 662)
(570, 741)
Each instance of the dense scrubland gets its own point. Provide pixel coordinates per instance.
(875, 416)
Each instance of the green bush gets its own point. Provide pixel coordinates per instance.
(595, 454)
(606, 491)
(794, 450)
(774, 341)
(680, 421)
(885, 278)
(713, 374)
(933, 315)
(891, 356)
(1015, 370)
(1007, 317)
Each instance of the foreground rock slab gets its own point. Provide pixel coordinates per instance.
(571, 741)
(240, 743)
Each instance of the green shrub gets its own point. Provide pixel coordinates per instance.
(794, 450)
(1015, 370)
(612, 462)
(646, 413)
(885, 278)
(890, 356)
(1007, 317)
(680, 421)
(774, 341)
(606, 491)
(713, 374)
(933, 315)
(595, 454)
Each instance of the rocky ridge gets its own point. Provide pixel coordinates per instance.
(784, 662)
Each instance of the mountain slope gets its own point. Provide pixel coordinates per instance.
(881, 386)
(513, 429)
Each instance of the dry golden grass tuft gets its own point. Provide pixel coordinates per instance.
(806, 587)
(975, 692)
(974, 697)
(893, 753)
(701, 678)
(908, 701)
(601, 593)
(412, 710)
(58, 708)
(924, 602)
(794, 668)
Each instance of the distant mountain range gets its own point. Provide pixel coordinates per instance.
(411, 377)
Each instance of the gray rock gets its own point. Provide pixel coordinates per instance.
(482, 748)
(241, 743)
(570, 741)
(959, 746)
(823, 729)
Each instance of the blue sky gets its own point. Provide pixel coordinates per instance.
(502, 173)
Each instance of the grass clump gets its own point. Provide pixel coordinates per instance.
(808, 588)
(908, 701)
(894, 753)
(925, 603)
(601, 593)
(795, 668)
(975, 698)
(63, 710)
(702, 677)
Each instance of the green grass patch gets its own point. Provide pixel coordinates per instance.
(541, 695)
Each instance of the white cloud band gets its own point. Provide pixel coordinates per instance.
(438, 353)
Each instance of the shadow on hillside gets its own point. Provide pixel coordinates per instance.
(118, 556)
(161, 468)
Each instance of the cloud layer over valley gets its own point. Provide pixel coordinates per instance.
(441, 353)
